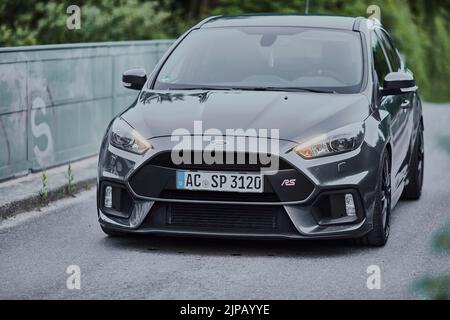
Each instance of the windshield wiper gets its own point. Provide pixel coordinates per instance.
(289, 89)
(202, 88)
(284, 89)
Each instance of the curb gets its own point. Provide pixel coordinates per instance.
(23, 194)
(36, 203)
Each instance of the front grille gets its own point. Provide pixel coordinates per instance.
(251, 162)
(223, 216)
(218, 196)
(157, 179)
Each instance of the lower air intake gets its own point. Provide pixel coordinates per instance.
(223, 216)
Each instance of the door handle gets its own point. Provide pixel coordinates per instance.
(405, 104)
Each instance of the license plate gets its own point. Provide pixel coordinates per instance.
(220, 181)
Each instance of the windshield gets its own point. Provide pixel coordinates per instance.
(265, 58)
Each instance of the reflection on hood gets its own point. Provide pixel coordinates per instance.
(296, 115)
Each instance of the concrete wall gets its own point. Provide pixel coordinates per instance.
(56, 101)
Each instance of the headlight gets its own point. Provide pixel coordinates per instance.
(124, 137)
(345, 139)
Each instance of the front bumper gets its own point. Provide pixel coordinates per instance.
(146, 200)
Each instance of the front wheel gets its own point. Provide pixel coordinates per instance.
(382, 214)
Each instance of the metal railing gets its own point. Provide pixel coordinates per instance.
(56, 100)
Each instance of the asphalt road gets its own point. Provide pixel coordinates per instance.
(37, 247)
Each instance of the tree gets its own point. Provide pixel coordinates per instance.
(420, 27)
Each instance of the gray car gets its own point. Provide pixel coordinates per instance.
(266, 127)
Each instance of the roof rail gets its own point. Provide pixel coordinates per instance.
(205, 21)
(357, 24)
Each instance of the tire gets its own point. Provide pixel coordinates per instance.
(113, 233)
(413, 190)
(379, 235)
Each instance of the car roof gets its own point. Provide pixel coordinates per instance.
(282, 20)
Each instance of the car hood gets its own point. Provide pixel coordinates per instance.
(297, 115)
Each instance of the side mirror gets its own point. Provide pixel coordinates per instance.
(134, 79)
(398, 83)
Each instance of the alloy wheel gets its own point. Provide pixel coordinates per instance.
(420, 160)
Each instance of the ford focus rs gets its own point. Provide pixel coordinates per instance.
(271, 127)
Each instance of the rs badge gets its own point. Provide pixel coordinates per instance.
(289, 183)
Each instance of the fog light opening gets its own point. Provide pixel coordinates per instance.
(108, 197)
(350, 205)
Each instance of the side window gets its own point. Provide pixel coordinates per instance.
(390, 51)
(381, 64)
